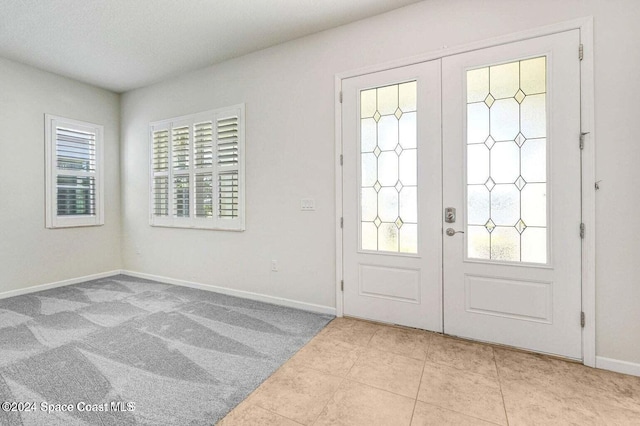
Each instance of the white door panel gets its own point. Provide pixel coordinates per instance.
(511, 125)
(392, 196)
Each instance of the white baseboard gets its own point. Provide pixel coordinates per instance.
(624, 367)
(238, 293)
(47, 286)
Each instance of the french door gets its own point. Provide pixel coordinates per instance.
(461, 186)
(392, 196)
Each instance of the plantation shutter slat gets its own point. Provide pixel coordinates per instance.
(161, 196)
(227, 144)
(228, 195)
(228, 156)
(203, 144)
(161, 151)
(75, 150)
(181, 196)
(204, 195)
(76, 196)
(180, 148)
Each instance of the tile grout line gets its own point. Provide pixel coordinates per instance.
(363, 348)
(262, 408)
(376, 387)
(461, 413)
(466, 371)
(381, 389)
(279, 415)
(341, 382)
(372, 335)
(328, 401)
(365, 384)
(463, 369)
(413, 412)
(415, 403)
(342, 379)
(504, 404)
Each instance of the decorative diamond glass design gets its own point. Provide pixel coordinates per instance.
(490, 225)
(489, 142)
(489, 100)
(506, 117)
(389, 164)
(489, 184)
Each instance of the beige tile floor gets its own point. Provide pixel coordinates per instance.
(360, 373)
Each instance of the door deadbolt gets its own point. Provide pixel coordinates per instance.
(450, 215)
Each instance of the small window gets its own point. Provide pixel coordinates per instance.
(73, 173)
(197, 170)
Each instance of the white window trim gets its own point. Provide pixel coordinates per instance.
(216, 222)
(51, 218)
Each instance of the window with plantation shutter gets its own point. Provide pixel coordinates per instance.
(197, 170)
(73, 173)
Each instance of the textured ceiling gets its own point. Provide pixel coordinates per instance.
(124, 44)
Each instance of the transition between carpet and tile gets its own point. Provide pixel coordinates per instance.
(122, 350)
(358, 373)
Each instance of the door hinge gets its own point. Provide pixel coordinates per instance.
(582, 135)
(582, 319)
(582, 230)
(581, 51)
(341, 97)
(341, 159)
(341, 285)
(341, 222)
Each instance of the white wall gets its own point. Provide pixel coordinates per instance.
(288, 90)
(30, 254)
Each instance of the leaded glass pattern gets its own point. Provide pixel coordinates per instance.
(506, 162)
(388, 164)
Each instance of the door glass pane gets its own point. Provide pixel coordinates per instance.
(507, 162)
(388, 167)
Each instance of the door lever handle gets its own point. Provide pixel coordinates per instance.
(451, 232)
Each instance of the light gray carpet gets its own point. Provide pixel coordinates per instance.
(182, 356)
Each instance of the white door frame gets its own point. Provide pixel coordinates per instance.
(587, 118)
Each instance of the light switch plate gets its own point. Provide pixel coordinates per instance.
(307, 204)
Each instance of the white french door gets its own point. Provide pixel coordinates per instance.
(511, 126)
(392, 196)
(462, 208)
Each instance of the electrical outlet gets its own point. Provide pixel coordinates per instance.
(307, 204)
(274, 266)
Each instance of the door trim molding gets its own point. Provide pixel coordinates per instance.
(587, 123)
(587, 113)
